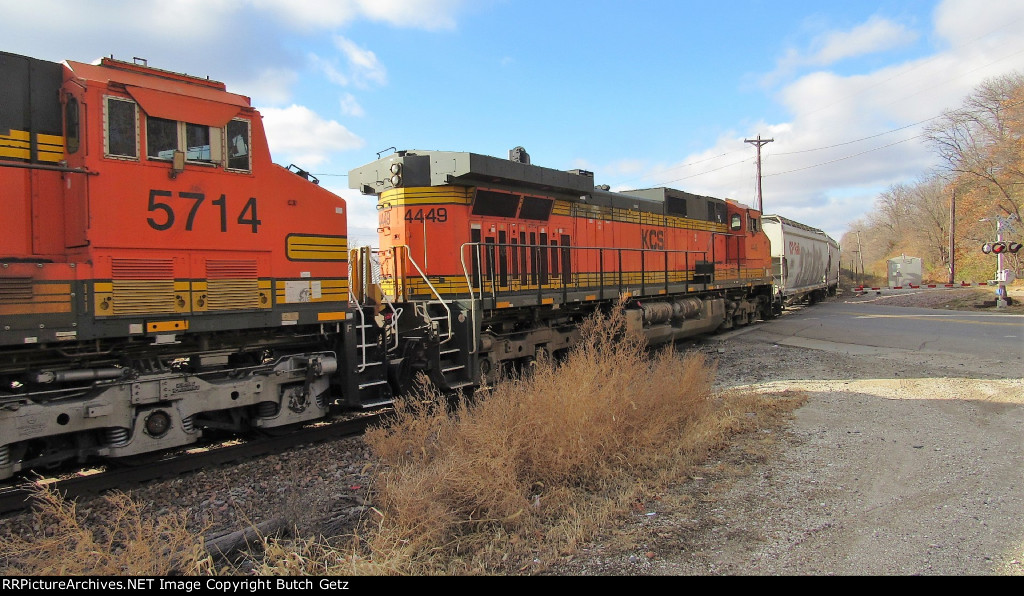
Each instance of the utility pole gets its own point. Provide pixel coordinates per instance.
(952, 232)
(860, 256)
(758, 142)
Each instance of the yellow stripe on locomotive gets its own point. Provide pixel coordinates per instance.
(27, 297)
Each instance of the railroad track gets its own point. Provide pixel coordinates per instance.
(19, 497)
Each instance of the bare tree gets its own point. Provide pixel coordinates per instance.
(983, 141)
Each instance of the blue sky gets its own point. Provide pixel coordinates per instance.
(643, 93)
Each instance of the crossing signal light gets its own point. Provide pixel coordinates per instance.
(1001, 247)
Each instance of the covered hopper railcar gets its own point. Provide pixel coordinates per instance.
(805, 261)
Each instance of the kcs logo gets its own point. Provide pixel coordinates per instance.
(653, 239)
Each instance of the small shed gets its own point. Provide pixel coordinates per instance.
(904, 270)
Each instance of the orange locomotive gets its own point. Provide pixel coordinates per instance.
(493, 261)
(159, 275)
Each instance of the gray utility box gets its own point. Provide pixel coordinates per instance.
(904, 270)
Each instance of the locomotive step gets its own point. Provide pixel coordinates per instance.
(451, 368)
(451, 351)
(372, 384)
(377, 403)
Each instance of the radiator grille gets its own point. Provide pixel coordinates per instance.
(137, 297)
(231, 269)
(162, 269)
(15, 290)
(232, 284)
(232, 294)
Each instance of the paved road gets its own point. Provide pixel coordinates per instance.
(991, 342)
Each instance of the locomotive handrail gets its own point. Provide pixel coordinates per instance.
(397, 312)
(362, 316)
(440, 300)
(665, 253)
(33, 166)
(478, 271)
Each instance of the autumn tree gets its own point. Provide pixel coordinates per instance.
(981, 149)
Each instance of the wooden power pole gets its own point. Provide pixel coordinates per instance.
(759, 142)
(952, 237)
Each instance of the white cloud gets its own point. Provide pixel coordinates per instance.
(240, 40)
(304, 138)
(330, 70)
(270, 86)
(319, 14)
(845, 140)
(105, 19)
(874, 36)
(362, 216)
(363, 63)
(963, 22)
(351, 107)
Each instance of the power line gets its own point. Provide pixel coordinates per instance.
(684, 165)
(735, 163)
(844, 158)
(918, 123)
(881, 134)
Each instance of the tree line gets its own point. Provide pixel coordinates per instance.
(979, 180)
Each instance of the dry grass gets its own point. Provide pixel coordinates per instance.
(539, 464)
(131, 543)
(530, 470)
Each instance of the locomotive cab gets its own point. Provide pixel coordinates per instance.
(160, 276)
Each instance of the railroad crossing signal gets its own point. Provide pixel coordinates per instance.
(997, 248)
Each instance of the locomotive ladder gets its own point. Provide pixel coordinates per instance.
(423, 308)
(437, 313)
(452, 360)
(364, 289)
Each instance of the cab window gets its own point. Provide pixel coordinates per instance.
(238, 143)
(71, 128)
(161, 138)
(199, 143)
(121, 118)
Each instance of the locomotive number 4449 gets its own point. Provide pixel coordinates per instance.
(163, 202)
(439, 215)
